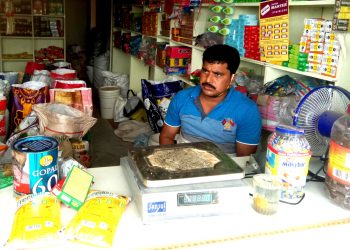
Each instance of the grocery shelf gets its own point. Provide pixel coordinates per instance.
(298, 11)
(25, 39)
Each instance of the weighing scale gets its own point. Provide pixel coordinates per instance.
(159, 196)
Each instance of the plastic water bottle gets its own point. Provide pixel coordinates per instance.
(338, 171)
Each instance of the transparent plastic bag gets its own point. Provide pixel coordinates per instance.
(36, 222)
(97, 229)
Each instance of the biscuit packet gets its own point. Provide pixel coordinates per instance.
(36, 222)
(97, 220)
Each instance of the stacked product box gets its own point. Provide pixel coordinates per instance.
(186, 28)
(165, 26)
(149, 23)
(251, 42)
(341, 16)
(236, 36)
(161, 54)
(178, 59)
(296, 59)
(323, 49)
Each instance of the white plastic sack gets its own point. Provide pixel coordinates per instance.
(130, 130)
(119, 109)
(101, 63)
(117, 79)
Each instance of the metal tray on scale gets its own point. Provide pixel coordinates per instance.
(224, 169)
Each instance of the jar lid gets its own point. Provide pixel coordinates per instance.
(289, 130)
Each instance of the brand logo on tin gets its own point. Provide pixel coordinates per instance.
(46, 160)
(156, 207)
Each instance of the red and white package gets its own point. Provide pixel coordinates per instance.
(79, 98)
(66, 84)
(63, 74)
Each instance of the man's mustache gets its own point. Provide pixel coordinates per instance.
(207, 84)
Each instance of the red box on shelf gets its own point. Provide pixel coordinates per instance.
(178, 51)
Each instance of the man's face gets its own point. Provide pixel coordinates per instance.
(215, 78)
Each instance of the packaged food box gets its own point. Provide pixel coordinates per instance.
(175, 70)
(177, 62)
(178, 51)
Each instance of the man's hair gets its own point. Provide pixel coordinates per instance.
(222, 53)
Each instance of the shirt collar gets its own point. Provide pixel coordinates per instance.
(197, 90)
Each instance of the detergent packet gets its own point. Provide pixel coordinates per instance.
(36, 222)
(97, 220)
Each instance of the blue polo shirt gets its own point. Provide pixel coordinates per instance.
(235, 119)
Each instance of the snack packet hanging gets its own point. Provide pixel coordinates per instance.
(97, 220)
(36, 222)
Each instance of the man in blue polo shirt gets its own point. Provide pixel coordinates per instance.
(214, 111)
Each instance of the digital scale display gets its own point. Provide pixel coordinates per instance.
(197, 198)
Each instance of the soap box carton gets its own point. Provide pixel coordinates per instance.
(178, 51)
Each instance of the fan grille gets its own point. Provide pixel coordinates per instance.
(311, 107)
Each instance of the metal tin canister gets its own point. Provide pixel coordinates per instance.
(34, 161)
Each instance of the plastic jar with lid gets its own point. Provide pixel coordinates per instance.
(288, 155)
(338, 171)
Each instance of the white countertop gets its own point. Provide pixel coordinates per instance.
(315, 222)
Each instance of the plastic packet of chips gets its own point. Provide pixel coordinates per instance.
(36, 222)
(97, 220)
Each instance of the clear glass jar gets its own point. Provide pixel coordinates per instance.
(288, 155)
(338, 171)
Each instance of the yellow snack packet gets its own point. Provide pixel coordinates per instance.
(96, 221)
(36, 222)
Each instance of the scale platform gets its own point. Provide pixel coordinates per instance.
(219, 166)
(171, 200)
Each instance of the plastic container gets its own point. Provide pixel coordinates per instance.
(338, 171)
(266, 193)
(288, 156)
(108, 96)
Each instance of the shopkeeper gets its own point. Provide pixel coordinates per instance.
(214, 110)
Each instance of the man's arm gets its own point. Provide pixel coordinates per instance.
(167, 135)
(245, 149)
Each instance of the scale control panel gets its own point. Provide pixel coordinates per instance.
(197, 198)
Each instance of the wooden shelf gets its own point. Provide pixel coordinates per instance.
(29, 44)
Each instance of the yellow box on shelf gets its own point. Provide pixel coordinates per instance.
(177, 62)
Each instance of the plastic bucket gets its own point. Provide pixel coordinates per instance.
(108, 96)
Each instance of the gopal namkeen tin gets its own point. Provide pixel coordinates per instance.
(34, 161)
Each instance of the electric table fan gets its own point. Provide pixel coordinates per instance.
(316, 113)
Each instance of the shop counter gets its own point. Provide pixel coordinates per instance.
(316, 222)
